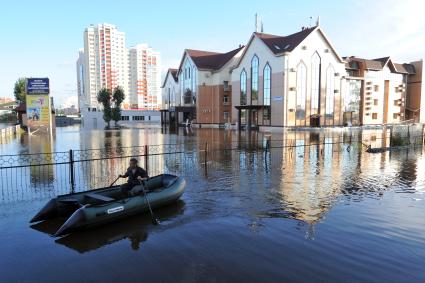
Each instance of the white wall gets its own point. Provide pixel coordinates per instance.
(172, 87)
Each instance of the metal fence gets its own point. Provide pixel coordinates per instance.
(35, 176)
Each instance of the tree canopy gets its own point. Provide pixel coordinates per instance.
(20, 90)
(104, 97)
(118, 97)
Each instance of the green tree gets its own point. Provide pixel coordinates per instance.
(19, 90)
(117, 97)
(104, 97)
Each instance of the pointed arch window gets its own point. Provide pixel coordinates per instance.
(243, 88)
(267, 84)
(330, 92)
(315, 83)
(301, 91)
(194, 88)
(254, 80)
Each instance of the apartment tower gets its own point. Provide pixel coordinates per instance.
(145, 77)
(105, 62)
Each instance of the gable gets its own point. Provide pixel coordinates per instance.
(317, 38)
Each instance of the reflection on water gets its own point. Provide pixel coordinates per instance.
(135, 229)
(312, 207)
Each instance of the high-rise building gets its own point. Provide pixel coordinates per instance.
(145, 77)
(105, 62)
(80, 77)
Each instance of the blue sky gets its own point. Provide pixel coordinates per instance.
(42, 38)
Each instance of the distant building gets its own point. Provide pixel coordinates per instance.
(81, 87)
(104, 62)
(145, 78)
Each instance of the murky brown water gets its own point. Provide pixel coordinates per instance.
(317, 213)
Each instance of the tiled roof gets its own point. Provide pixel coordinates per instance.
(211, 60)
(404, 68)
(373, 65)
(279, 44)
(378, 64)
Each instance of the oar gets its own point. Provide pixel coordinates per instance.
(114, 181)
(155, 221)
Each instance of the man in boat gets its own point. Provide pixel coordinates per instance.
(135, 175)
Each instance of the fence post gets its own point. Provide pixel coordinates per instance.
(423, 135)
(206, 157)
(147, 159)
(408, 134)
(71, 170)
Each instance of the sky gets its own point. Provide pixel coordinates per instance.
(42, 38)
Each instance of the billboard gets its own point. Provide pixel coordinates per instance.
(38, 86)
(38, 104)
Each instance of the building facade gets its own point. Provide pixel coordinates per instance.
(145, 78)
(382, 87)
(203, 95)
(105, 62)
(288, 81)
(297, 80)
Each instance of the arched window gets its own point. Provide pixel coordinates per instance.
(266, 84)
(243, 87)
(194, 88)
(301, 91)
(315, 83)
(254, 80)
(330, 92)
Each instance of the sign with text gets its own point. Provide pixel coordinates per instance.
(38, 86)
(38, 111)
(277, 98)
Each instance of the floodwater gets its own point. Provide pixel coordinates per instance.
(319, 213)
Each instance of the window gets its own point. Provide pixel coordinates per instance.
(330, 92)
(243, 88)
(376, 87)
(301, 91)
(254, 79)
(396, 102)
(266, 84)
(374, 116)
(138, 118)
(194, 85)
(226, 115)
(315, 83)
(125, 118)
(375, 102)
(266, 114)
(395, 116)
(226, 100)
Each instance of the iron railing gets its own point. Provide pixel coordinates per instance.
(43, 175)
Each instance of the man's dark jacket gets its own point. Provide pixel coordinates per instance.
(132, 177)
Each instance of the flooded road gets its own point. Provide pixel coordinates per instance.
(318, 213)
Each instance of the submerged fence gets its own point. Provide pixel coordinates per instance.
(42, 175)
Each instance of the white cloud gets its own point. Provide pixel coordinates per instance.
(68, 102)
